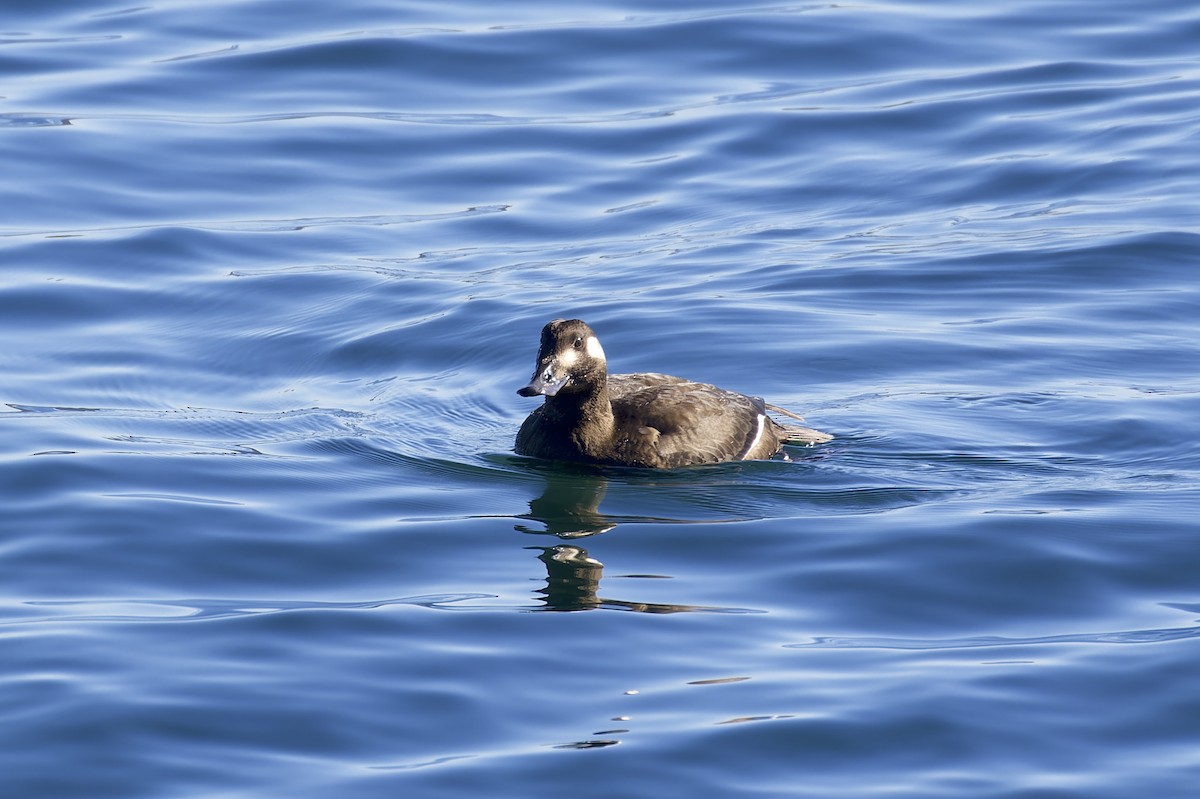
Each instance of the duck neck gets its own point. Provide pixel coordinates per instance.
(588, 414)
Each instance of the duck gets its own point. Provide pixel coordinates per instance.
(645, 420)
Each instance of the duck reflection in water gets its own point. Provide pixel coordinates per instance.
(569, 508)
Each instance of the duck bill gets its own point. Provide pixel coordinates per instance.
(545, 382)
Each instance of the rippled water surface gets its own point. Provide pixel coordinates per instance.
(270, 273)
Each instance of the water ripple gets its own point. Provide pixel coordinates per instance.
(269, 225)
(195, 430)
(160, 610)
(1155, 636)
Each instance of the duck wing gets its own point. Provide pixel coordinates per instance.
(665, 421)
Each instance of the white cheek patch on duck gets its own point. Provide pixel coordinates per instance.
(594, 349)
(568, 358)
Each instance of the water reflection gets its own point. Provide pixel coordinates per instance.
(572, 578)
(569, 508)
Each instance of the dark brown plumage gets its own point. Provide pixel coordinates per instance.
(648, 420)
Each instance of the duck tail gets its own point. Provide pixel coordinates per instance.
(797, 435)
(804, 436)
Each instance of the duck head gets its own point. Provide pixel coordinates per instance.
(570, 359)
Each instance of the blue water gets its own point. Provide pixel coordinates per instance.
(271, 272)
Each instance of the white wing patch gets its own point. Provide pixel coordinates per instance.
(762, 421)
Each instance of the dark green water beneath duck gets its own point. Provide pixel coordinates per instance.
(272, 273)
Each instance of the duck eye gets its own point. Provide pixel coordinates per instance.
(578, 343)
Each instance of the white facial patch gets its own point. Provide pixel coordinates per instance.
(568, 358)
(594, 349)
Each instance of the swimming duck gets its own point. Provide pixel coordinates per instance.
(648, 420)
